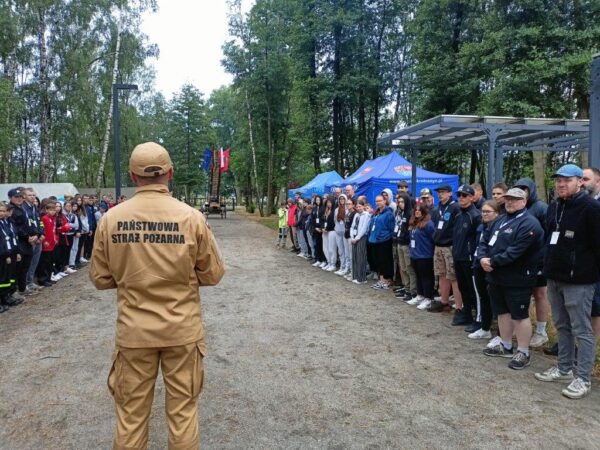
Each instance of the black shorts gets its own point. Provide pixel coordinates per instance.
(540, 280)
(510, 300)
(596, 302)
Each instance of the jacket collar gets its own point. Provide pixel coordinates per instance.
(160, 188)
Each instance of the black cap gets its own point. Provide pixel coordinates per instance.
(15, 193)
(466, 189)
(443, 187)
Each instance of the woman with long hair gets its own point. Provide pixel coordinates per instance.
(421, 255)
(490, 210)
(329, 236)
(348, 219)
(340, 228)
(317, 216)
(407, 272)
(358, 239)
(381, 232)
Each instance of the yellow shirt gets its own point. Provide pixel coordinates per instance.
(156, 251)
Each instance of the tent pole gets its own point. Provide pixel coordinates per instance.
(414, 159)
(492, 134)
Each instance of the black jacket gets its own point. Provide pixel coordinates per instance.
(575, 258)
(23, 229)
(444, 214)
(464, 234)
(8, 236)
(329, 221)
(514, 255)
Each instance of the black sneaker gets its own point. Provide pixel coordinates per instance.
(398, 290)
(498, 350)
(437, 307)
(519, 361)
(551, 351)
(473, 327)
(11, 301)
(461, 318)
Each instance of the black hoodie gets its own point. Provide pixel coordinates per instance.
(536, 207)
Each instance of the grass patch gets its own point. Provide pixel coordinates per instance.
(271, 221)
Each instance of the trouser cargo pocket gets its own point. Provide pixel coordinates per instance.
(115, 378)
(198, 370)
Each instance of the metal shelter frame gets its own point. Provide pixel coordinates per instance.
(499, 134)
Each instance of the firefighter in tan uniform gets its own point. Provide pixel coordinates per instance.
(156, 251)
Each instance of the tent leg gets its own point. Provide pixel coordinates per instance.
(492, 134)
(413, 170)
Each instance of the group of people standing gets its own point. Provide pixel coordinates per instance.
(492, 257)
(43, 241)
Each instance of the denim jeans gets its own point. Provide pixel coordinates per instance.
(571, 311)
(37, 251)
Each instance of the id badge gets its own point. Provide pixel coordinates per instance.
(396, 229)
(373, 227)
(493, 239)
(413, 244)
(440, 224)
(317, 222)
(554, 237)
(8, 243)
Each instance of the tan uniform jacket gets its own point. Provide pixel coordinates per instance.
(156, 251)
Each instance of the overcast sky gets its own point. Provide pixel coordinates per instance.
(189, 34)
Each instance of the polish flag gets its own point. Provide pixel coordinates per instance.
(224, 157)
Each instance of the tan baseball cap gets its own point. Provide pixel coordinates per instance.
(150, 160)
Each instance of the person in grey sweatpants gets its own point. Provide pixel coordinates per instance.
(572, 267)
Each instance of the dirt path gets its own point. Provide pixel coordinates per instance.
(298, 358)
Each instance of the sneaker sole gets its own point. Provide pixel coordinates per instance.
(504, 355)
(537, 345)
(553, 380)
(568, 394)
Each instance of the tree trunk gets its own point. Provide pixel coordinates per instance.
(44, 111)
(337, 101)
(109, 117)
(253, 150)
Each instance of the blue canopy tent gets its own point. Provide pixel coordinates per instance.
(385, 172)
(317, 184)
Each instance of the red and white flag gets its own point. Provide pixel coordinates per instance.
(224, 160)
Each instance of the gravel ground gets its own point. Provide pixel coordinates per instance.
(298, 358)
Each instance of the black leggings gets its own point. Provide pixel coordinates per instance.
(382, 258)
(319, 255)
(464, 278)
(484, 304)
(22, 269)
(425, 279)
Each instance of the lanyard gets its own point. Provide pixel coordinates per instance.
(508, 222)
(558, 219)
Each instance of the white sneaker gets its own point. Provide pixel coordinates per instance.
(316, 264)
(84, 260)
(323, 265)
(69, 270)
(414, 301)
(55, 278)
(348, 277)
(359, 282)
(554, 374)
(424, 304)
(480, 334)
(538, 339)
(577, 389)
(62, 274)
(494, 342)
(331, 268)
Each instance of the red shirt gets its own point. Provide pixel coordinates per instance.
(50, 235)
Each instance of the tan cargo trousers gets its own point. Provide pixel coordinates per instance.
(131, 383)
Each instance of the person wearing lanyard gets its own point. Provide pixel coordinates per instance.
(572, 267)
(443, 264)
(591, 177)
(509, 253)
